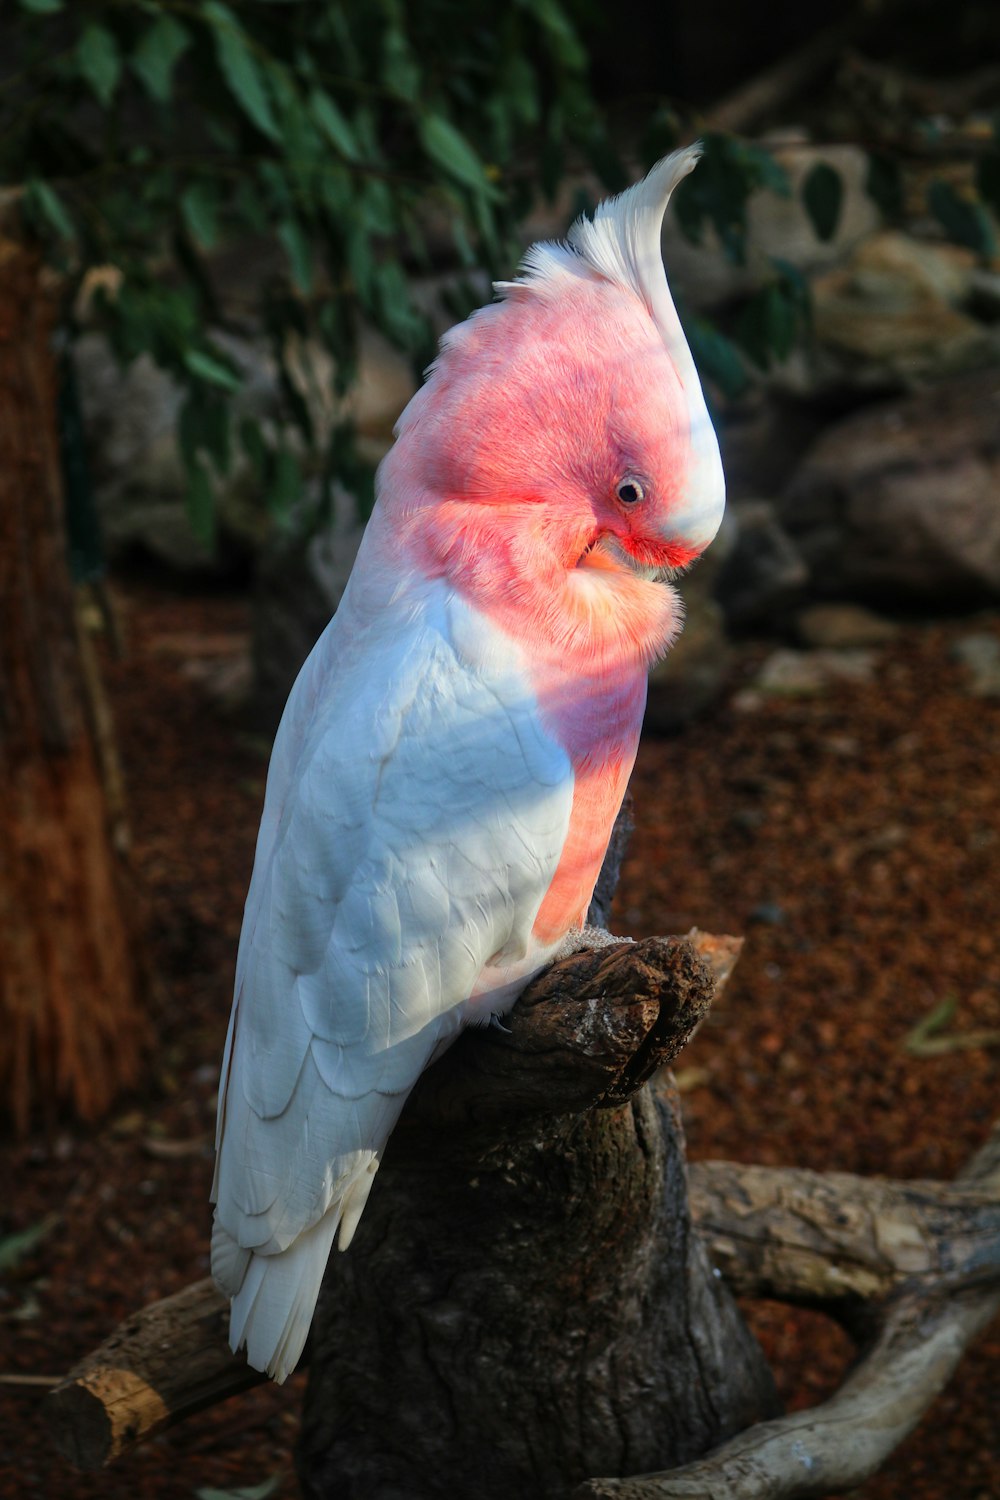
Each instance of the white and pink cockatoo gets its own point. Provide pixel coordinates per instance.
(454, 752)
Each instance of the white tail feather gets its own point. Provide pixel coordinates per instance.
(272, 1311)
(274, 1296)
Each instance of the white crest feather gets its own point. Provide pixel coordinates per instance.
(622, 241)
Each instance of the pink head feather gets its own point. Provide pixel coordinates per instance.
(510, 463)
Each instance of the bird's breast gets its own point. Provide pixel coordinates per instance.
(597, 722)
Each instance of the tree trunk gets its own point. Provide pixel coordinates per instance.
(69, 1016)
(526, 1303)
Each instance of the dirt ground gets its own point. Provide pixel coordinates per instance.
(853, 836)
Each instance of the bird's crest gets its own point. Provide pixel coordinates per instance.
(621, 244)
(622, 241)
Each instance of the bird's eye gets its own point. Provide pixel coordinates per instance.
(629, 491)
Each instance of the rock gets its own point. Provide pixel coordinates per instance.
(384, 385)
(840, 627)
(762, 570)
(139, 480)
(299, 585)
(777, 226)
(140, 485)
(892, 312)
(805, 674)
(763, 437)
(979, 654)
(899, 502)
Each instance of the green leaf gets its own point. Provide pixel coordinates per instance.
(450, 151)
(261, 1491)
(14, 1247)
(204, 426)
(240, 69)
(333, 123)
(660, 135)
(762, 167)
(884, 184)
(767, 325)
(42, 7)
(201, 502)
(400, 72)
(565, 43)
(399, 318)
(717, 357)
(45, 206)
(823, 196)
(988, 179)
(253, 443)
(286, 483)
(520, 89)
(296, 242)
(100, 61)
(198, 206)
(156, 56)
(964, 221)
(207, 367)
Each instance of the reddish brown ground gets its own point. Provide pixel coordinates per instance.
(854, 838)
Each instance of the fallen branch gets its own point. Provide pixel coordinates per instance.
(842, 1242)
(159, 1366)
(944, 1292)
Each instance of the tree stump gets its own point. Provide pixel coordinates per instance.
(525, 1303)
(70, 1019)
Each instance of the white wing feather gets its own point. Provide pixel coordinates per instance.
(414, 817)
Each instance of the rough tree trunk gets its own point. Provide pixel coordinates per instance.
(525, 1303)
(69, 1018)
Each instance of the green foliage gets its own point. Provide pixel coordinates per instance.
(964, 219)
(823, 196)
(147, 136)
(730, 171)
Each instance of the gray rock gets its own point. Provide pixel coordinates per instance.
(900, 501)
(130, 416)
(893, 313)
(805, 674)
(843, 626)
(777, 226)
(762, 570)
(979, 654)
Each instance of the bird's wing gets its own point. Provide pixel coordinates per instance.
(414, 817)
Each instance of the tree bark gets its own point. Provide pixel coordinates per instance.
(525, 1303)
(70, 1028)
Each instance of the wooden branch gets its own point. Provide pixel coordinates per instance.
(839, 1444)
(169, 1360)
(841, 1241)
(944, 1292)
(588, 1032)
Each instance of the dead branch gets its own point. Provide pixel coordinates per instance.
(839, 1241)
(946, 1291)
(159, 1366)
(838, 1445)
